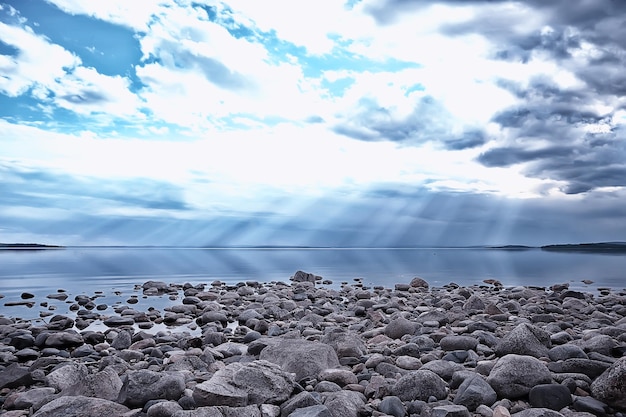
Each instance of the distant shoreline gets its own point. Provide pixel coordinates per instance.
(27, 246)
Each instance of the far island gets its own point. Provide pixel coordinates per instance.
(602, 247)
(27, 246)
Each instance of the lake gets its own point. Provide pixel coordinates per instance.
(82, 270)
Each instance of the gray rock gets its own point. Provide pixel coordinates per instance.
(312, 411)
(300, 400)
(345, 344)
(537, 412)
(392, 406)
(449, 343)
(69, 374)
(340, 377)
(590, 405)
(602, 344)
(610, 386)
(33, 398)
(164, 409)
(199, 412)
(241, 384)
(589, 367)
(344, 403)
(81, 406)
(123, 340)
(143, 385)
(552, 396)
(400, 327)
(445, 369)
(514, 375)
(105, 384)
(566, 351)
(301, 276)
(420, 385)
(475, 391)
(418, 282)
(302, 357)
(247, 411)
(525, 339)
(14, 376)
(450, 411)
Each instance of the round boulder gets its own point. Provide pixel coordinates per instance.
(514, 375)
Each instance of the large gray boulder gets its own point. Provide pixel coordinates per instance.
(344, 403)
(399, 327)
(105, 384)
(304, 358)
(141, 386)
(81, 406)
(610, 387)
(514, 375)
(525, 339)
(475, 391)
(420, 385)
(345, 343)
(242, 384)
(67, 375)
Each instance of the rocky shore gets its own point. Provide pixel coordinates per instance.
(302, 349)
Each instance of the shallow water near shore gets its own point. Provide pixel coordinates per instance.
(112, 273)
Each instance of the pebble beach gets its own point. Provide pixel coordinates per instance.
(302, 348)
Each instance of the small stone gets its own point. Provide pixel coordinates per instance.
(392, 406)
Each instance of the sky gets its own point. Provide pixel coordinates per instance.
(368, 123)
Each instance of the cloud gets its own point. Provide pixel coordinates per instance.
(38, 188)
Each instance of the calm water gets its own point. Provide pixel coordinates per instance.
(88, 270)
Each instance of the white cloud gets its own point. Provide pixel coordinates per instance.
(38, 64)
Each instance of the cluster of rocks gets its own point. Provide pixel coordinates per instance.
(305, 350)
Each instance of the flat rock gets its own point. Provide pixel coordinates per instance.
(14, 376)
(449, 343)
(81, 406)
(319, 410)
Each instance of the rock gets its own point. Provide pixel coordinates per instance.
(567, 351)
(341, 377)
(610, 386)
(143, 385)
(552, 396)
(418, 282)
(392, 406)
(164, 409)
(590, 405)
(589, 367)
(525, 339)
(312, 411)
(105, 384)
(33, 398)
(514, 375)
(123, 340)
(445, 369)
(345, 344)
(474, 303)
(300, 400)
(475, 391)
(117, 321)
(14, 376)
(302, 357)
(64, 340)
(420, 385)
(450, 411)
(538, 412)
(344, 403)
(241, 384)
(81, 406)
(449, 343)
(399, 327)
(301, 276)
(69, 374)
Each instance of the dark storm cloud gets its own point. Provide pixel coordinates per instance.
(41, 188)
(503, 157)
(428, 121)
